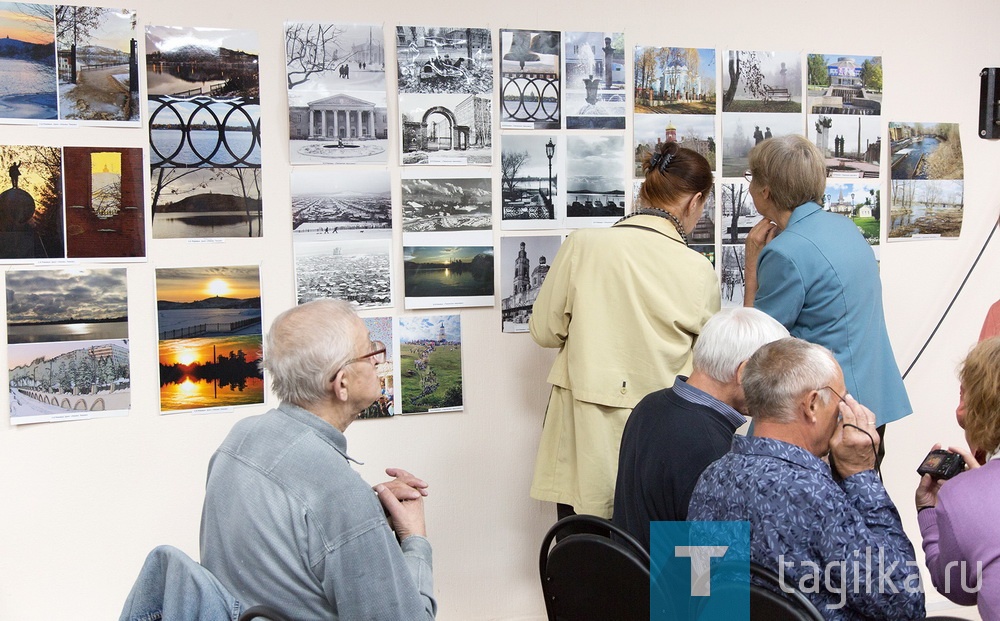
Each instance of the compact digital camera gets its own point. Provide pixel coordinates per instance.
(941, 464)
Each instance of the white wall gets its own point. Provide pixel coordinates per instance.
(83, 502)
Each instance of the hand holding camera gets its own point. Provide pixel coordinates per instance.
(939, 466)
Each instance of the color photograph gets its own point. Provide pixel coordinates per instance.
(691, 131)
(529, 180)
(674, 80)
(446, 129)
(524, 264)
(335, 75)
(852, 145)
(861, 201)
(209, 322)
(31, 209)
(206, 202)
(430, 363)
(325, 204)
(105, 211)
(594, 92)
(844, 84)
(98, 65)
(926, 151)
(595, 176)
(444, 276)
(924, 209)
(356, 270)
(380, 330)
(756, 81)
(530, 96)
(743, 131)
(28, 83)
(203, 97)
(447, 204)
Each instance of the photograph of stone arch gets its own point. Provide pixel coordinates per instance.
(68, 348)
(758, 81)
(446, 129)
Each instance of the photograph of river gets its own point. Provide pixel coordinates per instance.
(927, 189)
(441, 276)
(530, 96)
(27, 62)
(206, 202)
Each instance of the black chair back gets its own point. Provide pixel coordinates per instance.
(768, 600)
(594, 572)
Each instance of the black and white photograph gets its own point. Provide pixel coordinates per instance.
(326, 207)
(529, 180)
(98, 65)
(743, 131)
(844, 84)
(851, 144)
(443, 276)
(733, 272)
(594, 89)
(335, 75)
(530, 95)
(674, 80)
(761, 81)
(447, 204)
(193, 203)
(739, 214)
(444, 60)
(595, 179)
(203, 94)
(356, 270)
(446, 129)
(691, 131)
(525, 261)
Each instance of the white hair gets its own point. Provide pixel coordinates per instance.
(730, 337)
(778, 374)
(305, 346)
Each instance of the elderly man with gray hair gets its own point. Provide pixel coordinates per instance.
(839, 542)
(674, 433)
(287, 522)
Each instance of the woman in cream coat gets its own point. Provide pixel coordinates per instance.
(624, 306)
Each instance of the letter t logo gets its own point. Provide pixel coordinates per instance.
(701, 556)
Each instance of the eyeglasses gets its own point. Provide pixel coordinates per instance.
(748, 176)
(842, 400)
(377, 354)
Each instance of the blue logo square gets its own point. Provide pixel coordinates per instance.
(699, 571)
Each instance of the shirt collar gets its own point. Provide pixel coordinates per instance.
(803, 211)
(695, 395)
(323, 429)
(769, 447)
(661, 225)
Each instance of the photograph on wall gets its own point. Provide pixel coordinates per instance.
(524, 264)
(757, 81)
(209, 323)
(530, 95)
(325, 204)
(105, 202)
(732, 275)
(844, 84)
(595, 180)
(203, 94)
(98, 57)
(927, 189)
(430, 363)
(346, 267)
(674, 80)
(206, 202)
(743, 131)
(859, 200)
(529, 181)
(444, 60)
(594, 90)
(436, 275)
(68, 347)
(851, 144)
(446, 129)
(691, 131)
(335, 75)
(28, 90)
(447, 204)
(704, 230)
(380, 330)
(739, 214)
(31, 210)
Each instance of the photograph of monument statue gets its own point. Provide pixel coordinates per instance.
(844, 84)
(31, 208)
(530, 95)
(851, 144)
(674, 80)
(98, 57)
(594, 92)
(742, 131)
(29, 89)
(430, 363)
(335, 74)
(758, 81)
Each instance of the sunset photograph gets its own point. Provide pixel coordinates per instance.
(210, 372)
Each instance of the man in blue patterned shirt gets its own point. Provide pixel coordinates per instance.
(839, 543)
